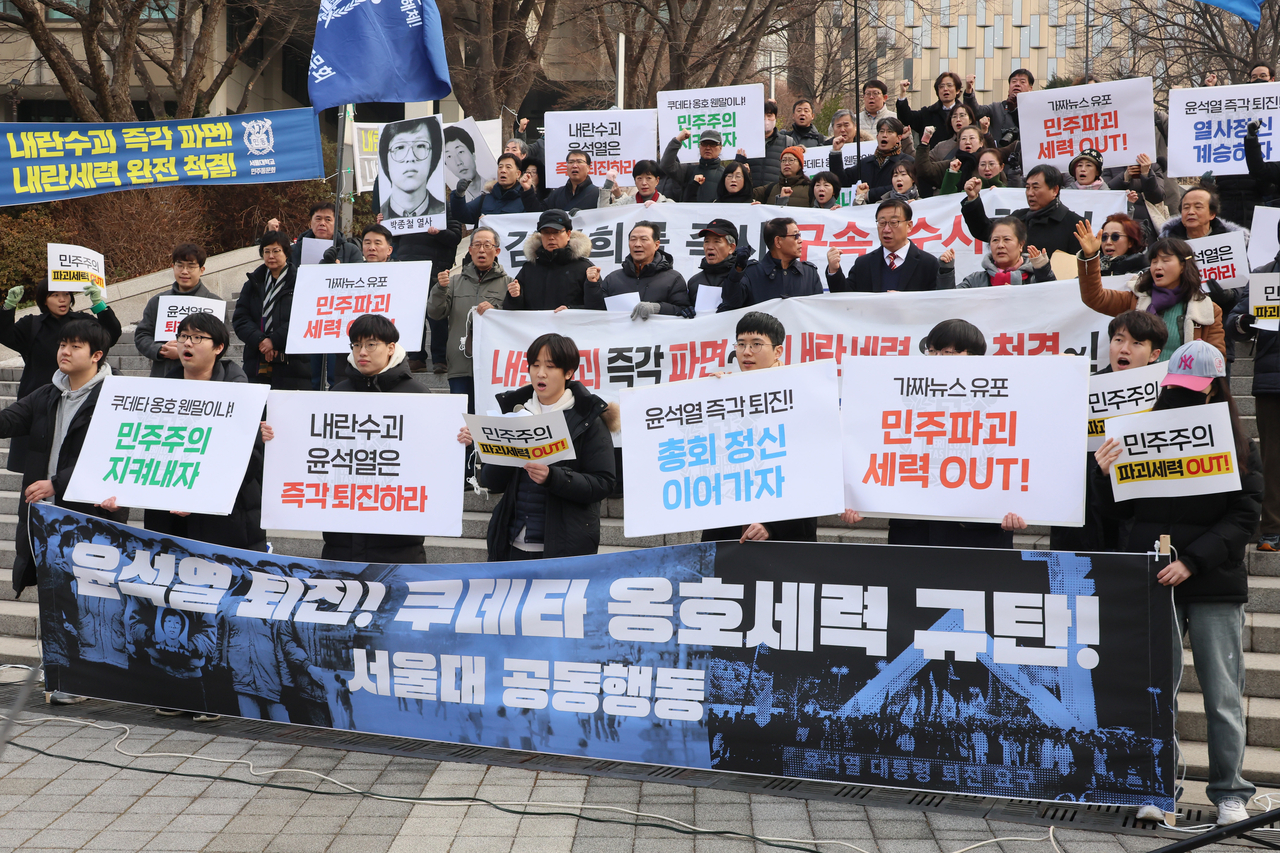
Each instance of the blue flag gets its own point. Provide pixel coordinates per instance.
(377, 50)
(1249, 10)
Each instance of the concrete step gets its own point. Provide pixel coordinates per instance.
(1242, 367)
(22, 650)
(19, 619)
(1261, 763)
(1264, 594)
(1262, 674)
(1262, 719)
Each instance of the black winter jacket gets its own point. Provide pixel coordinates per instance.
(349, 251)
(551, 279)
(378, 547)
(574, 488)
(34, 416)
(712, 274)
(681, 175)
(243, 527)
(35, 338)
(1210, 532)
(289, 372)
(808, 137)
(439, 248)
(877, 174)
(1050, 229)
(768, 169)
(657, 282)
(934, 114)
(766, 279)
(144, 334)
(1266, 351)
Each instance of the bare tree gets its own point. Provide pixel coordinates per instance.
(107, 46)
(1179, 42)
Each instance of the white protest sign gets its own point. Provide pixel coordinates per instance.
(615, 139)
(1263, 242)
(1264, 300)
(168, 444)
(1116, 119)
(73, 267)
(622, 302)
(708, 300)
(491, 133)
(1174, 453)
(366, 153)
(1122, 392)
(737, 112)
(619, 353)
(364, 463)
(758, 446)
(1223, 258)
(328, 297)
(818, 160)
(170, 311)
(515, 441)
(411, 180)
(1207, 127)
(313, 249)
(968, 439)
(938, 227)
(467, 157)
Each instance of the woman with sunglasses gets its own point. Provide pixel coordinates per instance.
(1124, 245)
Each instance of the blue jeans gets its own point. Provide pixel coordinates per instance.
(464, 385)
(1216, 644)
(319, 363)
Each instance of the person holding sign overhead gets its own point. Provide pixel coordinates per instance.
(1170, 289)
(760, 339)
(188, 266)
(553, 510)
(202, 339)
(35, 337)
(697, 181)
(1209, 535)
(55, 418)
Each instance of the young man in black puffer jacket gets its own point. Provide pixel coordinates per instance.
(553, 510)
(556, 270)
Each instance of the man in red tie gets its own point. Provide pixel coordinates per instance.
(899, 265)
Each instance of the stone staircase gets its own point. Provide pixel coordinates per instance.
(19, 619)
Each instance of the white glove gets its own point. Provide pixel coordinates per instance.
(644, 309)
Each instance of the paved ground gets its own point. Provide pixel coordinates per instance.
(56, 804)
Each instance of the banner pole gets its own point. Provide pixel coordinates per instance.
(341, 182)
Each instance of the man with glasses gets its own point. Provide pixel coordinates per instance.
(410, 152)
(779, 274)
(261, 319)
(481, 284)
(578, 193)
(758, 345)
(188, 266)
(899, 265)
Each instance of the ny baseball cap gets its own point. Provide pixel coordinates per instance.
(709, 135)
(1195, 365)
(554, 218)
(720, 227)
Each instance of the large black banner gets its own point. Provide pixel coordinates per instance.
(1037, 675)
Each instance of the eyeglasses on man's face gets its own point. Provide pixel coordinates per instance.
(401, 151)
(368, 346)
(194, 340)
(750, 346)
(185, 266)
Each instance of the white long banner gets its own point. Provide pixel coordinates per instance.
(618, 352)
(747, 447)
(1207, 127)
(328, 297)
(938, 227)
(969, 439)
(364, 463)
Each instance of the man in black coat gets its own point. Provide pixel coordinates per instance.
(383, 368)
(899, 265)
(1051, 227)
(778, 275)
(553, 510)
(556, 270)
(578, 192)
(55, 418)
(203, 338)
(875, 171)
(693, 181)
(647, 271)
(719, 241)
(937, 115)
(261, 319)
